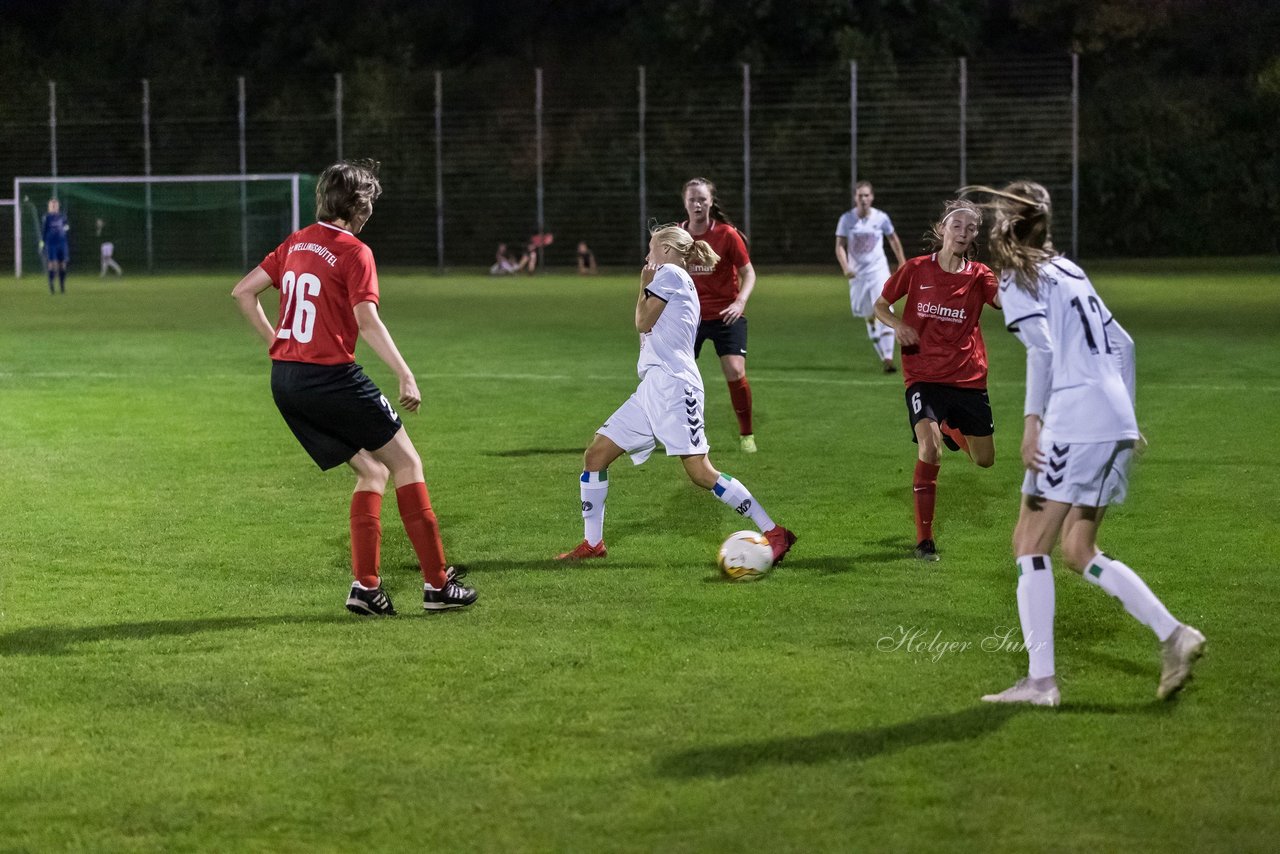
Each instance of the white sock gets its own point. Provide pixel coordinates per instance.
(1136, 597)
(738, 497)
(885, 340)
(593, 486)
(1035, 611)
(873, 332)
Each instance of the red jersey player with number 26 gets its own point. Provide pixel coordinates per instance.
(944, 360)
(328, 298)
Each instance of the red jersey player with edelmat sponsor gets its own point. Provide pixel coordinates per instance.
(328, 298)
(944, 360)
(723, 290)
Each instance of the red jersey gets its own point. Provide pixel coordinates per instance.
(323, 272)
(944, 309)
(718, 286)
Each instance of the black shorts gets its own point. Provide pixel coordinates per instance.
(334, 410)
(966, 409)
(730, 338)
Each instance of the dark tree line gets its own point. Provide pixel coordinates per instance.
(1180, 98)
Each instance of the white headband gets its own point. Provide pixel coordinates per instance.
(958, 210)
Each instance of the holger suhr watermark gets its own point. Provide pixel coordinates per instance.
(926, 643)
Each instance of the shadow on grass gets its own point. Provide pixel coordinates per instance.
(535, 452)
(1115, 662)
(478, 568)
(59, 640)
(1156, 708)
(839, 746)
(968, 724)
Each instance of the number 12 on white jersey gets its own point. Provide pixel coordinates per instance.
(299, 318)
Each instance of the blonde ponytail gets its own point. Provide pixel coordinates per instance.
(1020, 236)
(702, 254)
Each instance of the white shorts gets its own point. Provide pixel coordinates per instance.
(1091, 474)
(663, 409)
(865, 288)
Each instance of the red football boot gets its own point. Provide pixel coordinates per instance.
(780, 540)
(585, 550)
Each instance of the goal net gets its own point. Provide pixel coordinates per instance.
(160, 223)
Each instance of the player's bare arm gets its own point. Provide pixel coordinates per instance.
(246, 294)
(373, 331)
(907, 336)
(896, 245)
(842, 255)
(1032, 457)
(648, 308)
(746, 281)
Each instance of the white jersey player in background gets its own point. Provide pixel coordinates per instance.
(1079, 437)
(860, 237)
(668, 405)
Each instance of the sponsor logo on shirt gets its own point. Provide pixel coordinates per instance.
(701, 269)
(941, 312)
(317, 249)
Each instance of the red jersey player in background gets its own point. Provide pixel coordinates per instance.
(328, 298)
(944, 360)
(723, 290)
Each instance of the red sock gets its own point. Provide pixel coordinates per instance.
(924, 487)
(423, 530)
(740, 395)
(366, 537)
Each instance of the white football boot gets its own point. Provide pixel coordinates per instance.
(1177, 654)
(1036, 692)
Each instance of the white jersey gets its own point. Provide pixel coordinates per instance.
(865, 238)
(669, 345)
(1088, 399)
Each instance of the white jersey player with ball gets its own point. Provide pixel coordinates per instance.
(860, 237)
(1079, 437)
(667, 407)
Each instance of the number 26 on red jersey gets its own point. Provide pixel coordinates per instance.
(298, 320)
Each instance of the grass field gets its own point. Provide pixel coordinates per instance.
(177, 671)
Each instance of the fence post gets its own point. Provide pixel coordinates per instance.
(853, 132)
(537, 109)
(439, 172)
(964, 116)
(146, 170)
(337, 109)
(1075, 156)
(644, 189)
(244, 188)
(53, 133)
(746, 147)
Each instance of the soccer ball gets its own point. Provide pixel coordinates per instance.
(745, 556)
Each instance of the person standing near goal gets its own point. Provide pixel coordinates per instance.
(944, 359)
(723, 290)
(668, 405)
(53, 239)
(860, 236)
(1079, 437)
(328, 299)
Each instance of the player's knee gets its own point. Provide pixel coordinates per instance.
(371, 475)
(984, 458)
(930, 452)
(375, 479)
(701, 472)
(593, 459)
(702, 479)
(1078, 553)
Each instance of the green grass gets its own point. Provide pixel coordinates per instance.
(177, 671)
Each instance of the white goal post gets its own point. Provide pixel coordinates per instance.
(146, 207)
